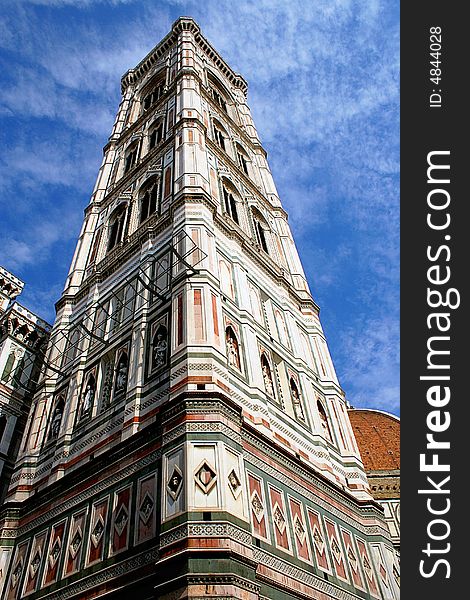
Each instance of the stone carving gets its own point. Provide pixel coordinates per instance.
(76, 543)
(120, 522)
(299, 530)
(352, 558)
(160, 348)
(205, 477)
(296, 402)
(55, 552)
(318, 540)
(336, 550)
(35, 564)
(16, 575)
(175, 483)
(56, 419)
(97, 532)
(121, 374)
(88, 398)
(267, 377)
(279, 519)
(146, 508)
(234, 483)
(233, 354)
(257, 506)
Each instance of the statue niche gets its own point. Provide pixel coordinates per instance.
(57, 418)
(296, 402)
(88, 398)
(267, 377)
(121, 374)
(160, 347)
(233, 352)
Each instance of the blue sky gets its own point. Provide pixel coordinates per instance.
(323, 81)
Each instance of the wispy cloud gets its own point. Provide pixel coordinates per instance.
(323, 88)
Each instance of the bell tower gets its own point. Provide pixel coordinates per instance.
(189, 436)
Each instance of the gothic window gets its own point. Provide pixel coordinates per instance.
(96, 245)
(296, 401)
(148, 202)
(230, 204)
(116, 227)
(267, 376)
(152, 97)
(121, 374)
(19, 371)
(261, 229)
(156, 135)
(220, 137)
(242, 159)
(8, 367)
(88, 398)
(116, 307)
(131, 157)
(160, 347)
(72, 347)
(233, 351)
(56, 420)
(326, 431)
(219, 100)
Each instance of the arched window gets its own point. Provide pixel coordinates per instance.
(156, 135)
(88, 398)
(242, 159)
(131, 156)
(219, 138)
(154, 95)
(324, 422)
(160, 347)
(19, 370)
(219, 99)
(296, 401)
(148, 202)
(230, 204)
(261, 229)
(121, 374)
(233, 351)
(116, 227)
(267, 376)
(56, 420)
(8, 367)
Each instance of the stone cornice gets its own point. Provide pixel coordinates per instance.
(182, 24)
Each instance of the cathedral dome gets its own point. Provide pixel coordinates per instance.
(378, 437)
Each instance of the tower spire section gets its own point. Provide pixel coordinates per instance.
(187, 388)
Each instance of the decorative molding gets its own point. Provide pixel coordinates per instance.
(317, 502)
(90, 493)
(298, 574)
(94, 581)
(203, 529)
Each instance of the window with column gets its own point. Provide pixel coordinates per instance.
(116, 227)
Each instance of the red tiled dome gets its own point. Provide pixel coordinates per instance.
(378, 437)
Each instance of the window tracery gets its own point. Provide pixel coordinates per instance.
(116, 227)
